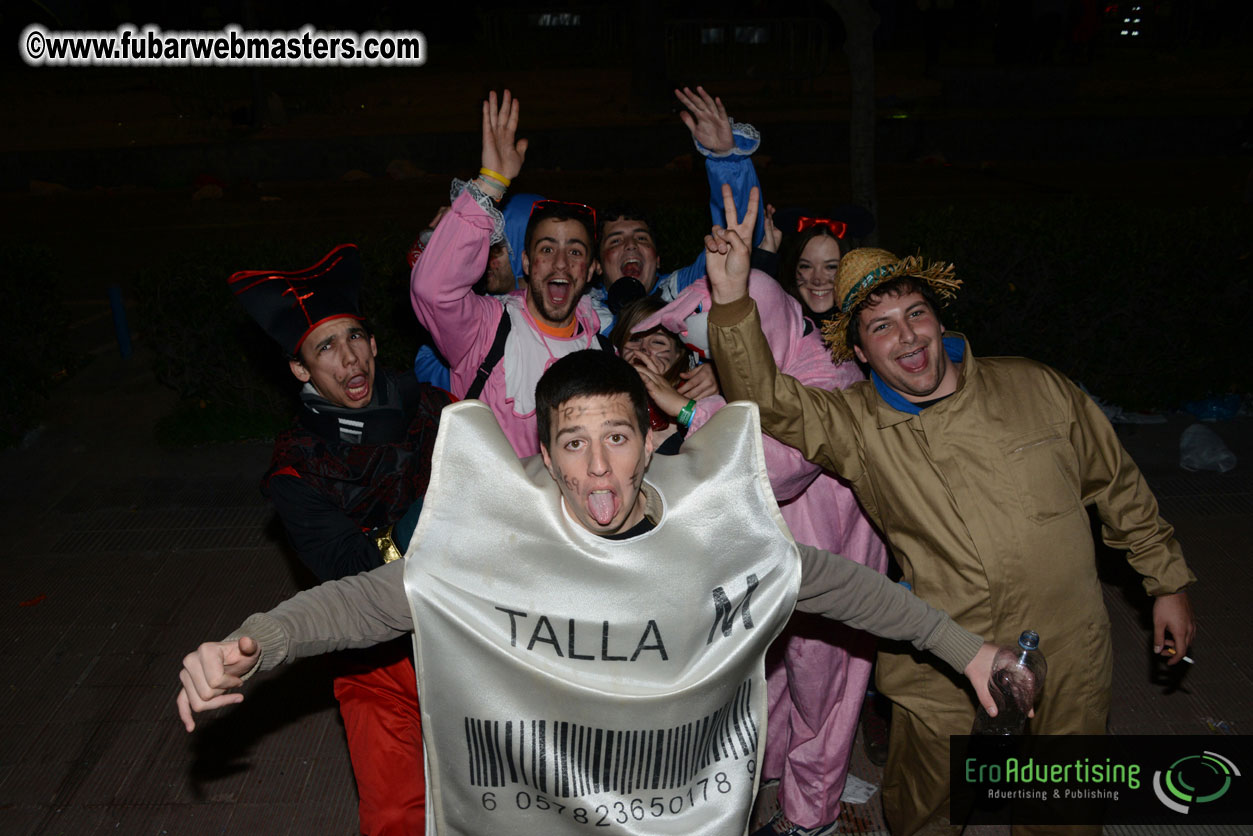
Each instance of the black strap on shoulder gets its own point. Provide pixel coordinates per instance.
(493, 356)
(497, 351)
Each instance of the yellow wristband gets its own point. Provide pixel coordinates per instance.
(497, 176)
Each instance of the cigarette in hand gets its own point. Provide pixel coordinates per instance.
(1187, 659)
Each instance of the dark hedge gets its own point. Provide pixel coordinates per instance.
(34, 322)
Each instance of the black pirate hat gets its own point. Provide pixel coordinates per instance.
(290, 305)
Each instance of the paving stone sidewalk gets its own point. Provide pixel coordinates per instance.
(121, 556)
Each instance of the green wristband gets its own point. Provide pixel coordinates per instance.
(686, 413)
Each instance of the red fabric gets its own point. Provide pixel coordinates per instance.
(384, 728)
(837, 228)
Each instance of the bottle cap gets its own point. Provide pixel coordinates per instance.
(1029, 640)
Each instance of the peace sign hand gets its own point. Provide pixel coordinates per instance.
(728, 251)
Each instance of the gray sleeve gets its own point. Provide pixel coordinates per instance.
(358, 611)
(835, 587)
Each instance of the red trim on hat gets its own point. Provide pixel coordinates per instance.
(300, 300)
(296, 351)
(307, 274)
(275, 273)
(287, 277)
(285, 471)
(278, 274)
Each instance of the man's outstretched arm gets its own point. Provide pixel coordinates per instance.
(837, 588)
(358, 611)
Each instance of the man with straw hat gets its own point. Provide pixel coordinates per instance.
(979, 472)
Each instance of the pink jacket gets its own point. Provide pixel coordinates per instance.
(463, 324)
(801, 355)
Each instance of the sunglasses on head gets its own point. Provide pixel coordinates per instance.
(837, 228)
(580, 210)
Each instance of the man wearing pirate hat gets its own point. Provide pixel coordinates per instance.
(979, 472)
(342, 481)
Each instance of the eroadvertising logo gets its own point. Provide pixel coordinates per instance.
(1194, 780)
(1080, 779)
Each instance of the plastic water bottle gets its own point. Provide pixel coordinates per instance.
(1016, 683)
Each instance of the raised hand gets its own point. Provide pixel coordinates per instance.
(639, 358)
(209, 672)
(501, 153)
(707, 119)
(771, 235)
(727, 251)
(659, 389)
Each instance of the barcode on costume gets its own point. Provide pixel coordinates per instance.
(569, 760)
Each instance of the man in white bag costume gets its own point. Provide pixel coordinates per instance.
(589, 639)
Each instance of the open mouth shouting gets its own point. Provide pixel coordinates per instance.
(357, 387)
(913, 362)
(558, 291)
(632, 268)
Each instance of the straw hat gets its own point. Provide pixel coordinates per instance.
(864, 269)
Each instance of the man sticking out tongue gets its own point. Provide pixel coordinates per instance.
(568, 610)
(595, 464)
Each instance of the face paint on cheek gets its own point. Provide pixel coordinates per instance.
(571, 483)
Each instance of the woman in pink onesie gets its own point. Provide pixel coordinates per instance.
(816, 674)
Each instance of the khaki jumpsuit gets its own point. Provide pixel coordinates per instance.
(983, 498)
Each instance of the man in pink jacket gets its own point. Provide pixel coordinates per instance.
(816, 673)
(547, 319)
(497, 347)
